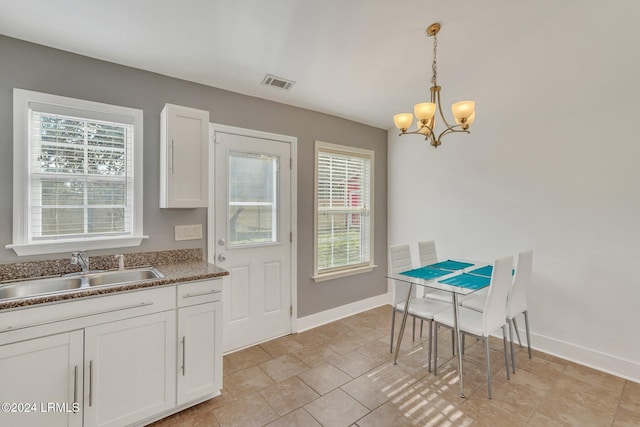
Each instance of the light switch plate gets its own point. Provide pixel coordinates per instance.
(188, 232)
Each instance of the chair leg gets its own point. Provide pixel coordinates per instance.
(393, 324)
(461, 350)
(526, 323)
(513, 355)
(435, 351)
(421, 325)
(488, 362)
(453, 341)
(515, 325)
(430, 343)
(413, 334)
(506, 357)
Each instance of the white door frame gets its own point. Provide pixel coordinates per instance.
(211, 247)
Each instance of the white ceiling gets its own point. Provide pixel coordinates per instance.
(363, 60)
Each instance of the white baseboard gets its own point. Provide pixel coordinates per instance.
(337, 313)
(608, 363)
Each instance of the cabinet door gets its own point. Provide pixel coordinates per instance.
(199, 351)
(44, 377)
(129, 369)
(184, 157)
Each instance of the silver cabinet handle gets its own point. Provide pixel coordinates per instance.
(90, 382)
(222, 258)
(75, 384)
(199, 294)
(184, 353)
(171, 156)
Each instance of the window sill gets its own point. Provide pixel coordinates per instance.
(41, 248)
(343, 273)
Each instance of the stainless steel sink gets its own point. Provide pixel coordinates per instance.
(29, 288)
(37, 287)
(124, 276)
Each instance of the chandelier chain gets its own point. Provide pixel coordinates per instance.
(434, 65)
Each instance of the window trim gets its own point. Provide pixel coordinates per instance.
(22, 245)
(338, 272)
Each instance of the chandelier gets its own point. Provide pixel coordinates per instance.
(463, 111)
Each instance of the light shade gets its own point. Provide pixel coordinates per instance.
(403, 120)
(463, 109)
(424, 110)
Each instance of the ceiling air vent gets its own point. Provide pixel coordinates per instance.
(278, 82)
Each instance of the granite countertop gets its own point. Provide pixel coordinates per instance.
(174, 273)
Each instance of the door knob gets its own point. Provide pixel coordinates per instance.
(221, 258)
(221, 242)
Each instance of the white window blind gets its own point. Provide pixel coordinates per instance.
(81, 176)
(77, 174)
(343, 203)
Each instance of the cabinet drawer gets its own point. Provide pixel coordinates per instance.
(68, 315)
(199, 292)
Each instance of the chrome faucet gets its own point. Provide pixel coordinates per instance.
(77, 258)
(120, 259)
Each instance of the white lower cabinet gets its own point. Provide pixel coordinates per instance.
(129, 369)
(123, 359)
(198, 373)
(38, 373)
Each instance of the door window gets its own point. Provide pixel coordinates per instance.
(253, 199)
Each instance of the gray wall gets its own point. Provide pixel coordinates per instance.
(38, 68)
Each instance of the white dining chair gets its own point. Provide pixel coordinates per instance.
(420, 308)
(516, 301)
(482, 324)
(427, 254)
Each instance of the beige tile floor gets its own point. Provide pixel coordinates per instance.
(341, 374)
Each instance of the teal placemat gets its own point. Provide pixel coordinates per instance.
(487, 271)
(451, 265)
(468, 281)
(426, 273)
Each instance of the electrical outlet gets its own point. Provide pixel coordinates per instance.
(188, 232)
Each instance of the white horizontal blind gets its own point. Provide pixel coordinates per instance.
(343, 218)
(81, 176)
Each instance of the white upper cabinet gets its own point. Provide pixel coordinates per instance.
(184, 157)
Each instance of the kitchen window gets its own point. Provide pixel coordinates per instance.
(77, 175)
(343, 237)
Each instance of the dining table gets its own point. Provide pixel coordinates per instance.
(457, 277)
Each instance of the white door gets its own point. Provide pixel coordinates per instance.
(253, 234)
